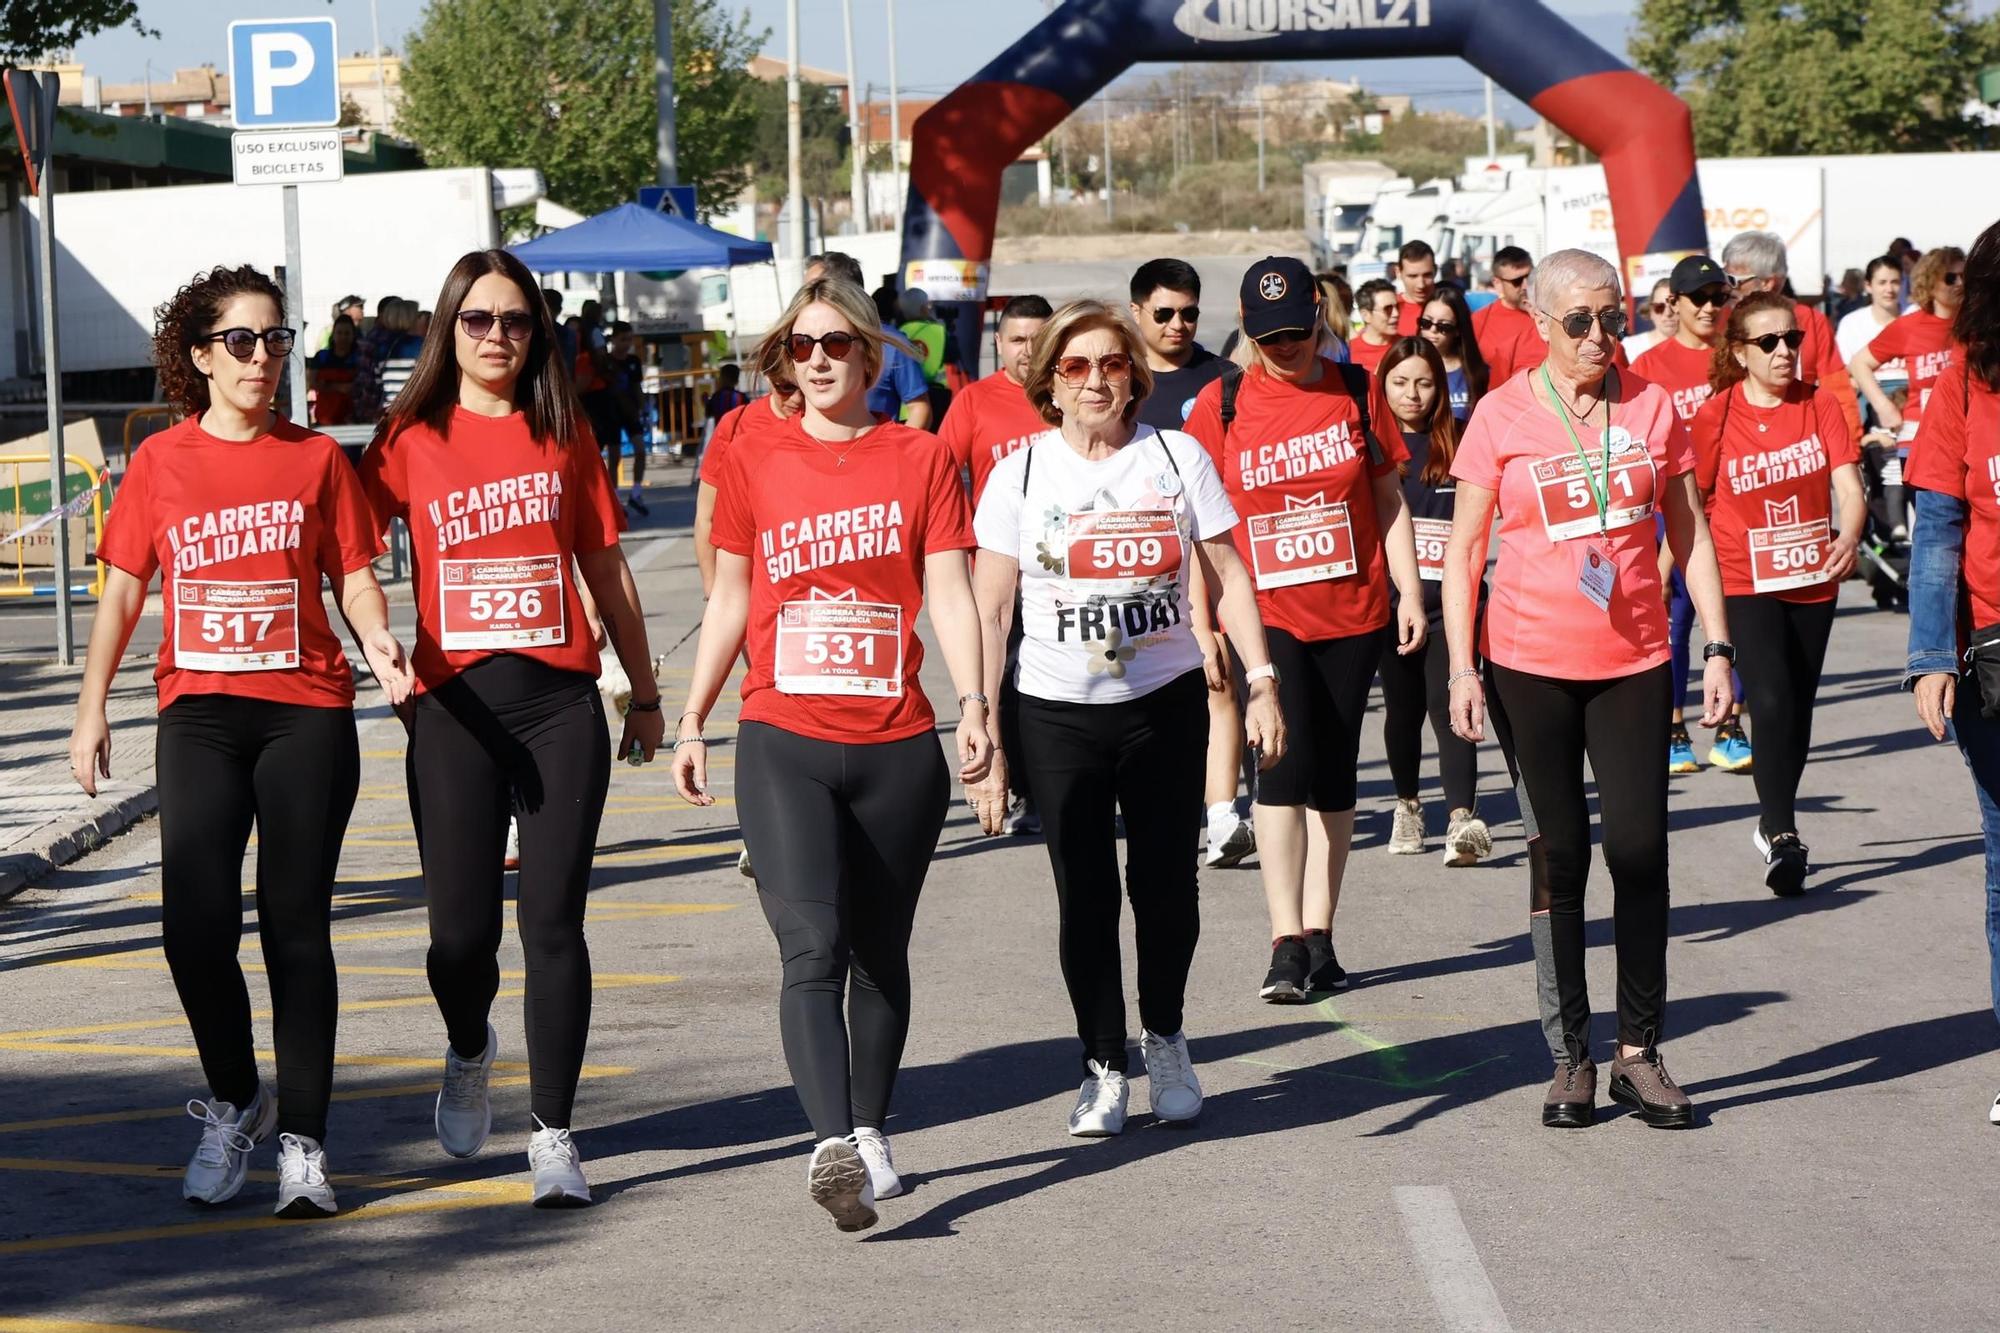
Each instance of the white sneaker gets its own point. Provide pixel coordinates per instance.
(558, 1169)
(222, 1158)
(1172, 1090)
(511, 860)
(1100, 1104)
(1763, 846)
(1467, 839)
(1022, 819)
(302, 1187)
(837, 1180)
(1993, 1116)
(743, 865)
(1406, 834)
(1231, 837)
(881, 1163)
(464, 1109)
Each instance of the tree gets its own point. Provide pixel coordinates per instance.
(1773, 77)
(566, 86)
(823, 165)
(33, 29)
(351, 114)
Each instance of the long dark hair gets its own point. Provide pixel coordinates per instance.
(1725, 372)
(1478, 375)
(1977, 327)
(191, 314)
(545, 392)
(1443, 426)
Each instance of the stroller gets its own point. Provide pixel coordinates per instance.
(1885, 545)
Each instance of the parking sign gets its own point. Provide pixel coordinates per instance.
(283, 74)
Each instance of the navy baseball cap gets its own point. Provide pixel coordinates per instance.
(1278, 293)
(1696, 272)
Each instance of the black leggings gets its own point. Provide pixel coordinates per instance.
(1411, 687)
(224, 763)
(842, 837)
(1621, 726)
(1149, 756)
(1781, 648)
(512, 732)
(1323, 693)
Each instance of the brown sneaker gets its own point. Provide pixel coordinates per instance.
(1643, 1083)
(1571, 1101)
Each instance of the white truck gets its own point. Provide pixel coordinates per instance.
(1338, 198)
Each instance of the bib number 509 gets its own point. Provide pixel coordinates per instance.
(1127, 553)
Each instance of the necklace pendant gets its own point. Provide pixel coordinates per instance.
(840, 461)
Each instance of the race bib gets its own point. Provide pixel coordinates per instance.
(236, 626)
(1432, 534)
(501, 602)
(836, 645)
(1122, 546)
(1304, 545)
(1793, 556)
(1569, 509)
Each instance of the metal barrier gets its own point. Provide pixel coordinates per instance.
(20, 587)
(680, 399)
(168, 413)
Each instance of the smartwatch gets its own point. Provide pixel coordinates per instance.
(1269, 671)
(1713, 648)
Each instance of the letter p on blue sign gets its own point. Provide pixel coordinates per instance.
(283, 74)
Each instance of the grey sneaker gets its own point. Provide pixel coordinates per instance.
(464, 1115)
(1571, 1101)
(837, 1180)
(1406, 835)
(1467, 839)
(303, 1190)
(221, 1160)
(1172, 1090)
(1643, 1083)
(1227, 846)
(873, 1146)
(558, 1169)
(1023, 821)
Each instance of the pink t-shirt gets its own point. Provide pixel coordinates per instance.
(1539, 618)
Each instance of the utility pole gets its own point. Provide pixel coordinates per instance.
(664, 146)
(1260, 129)
(857, 185)
(1492, 147)
(1110, 180)
(795, 192)
(381, 71)
(895, 120)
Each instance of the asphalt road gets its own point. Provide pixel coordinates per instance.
(1375, 1161)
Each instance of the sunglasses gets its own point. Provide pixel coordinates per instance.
(836, 344)
(1715, 296)
(1075, 370)
(515, 325)
(1425, 324)
(1662, 307)
(1768, 343)
(242, 343)
(1951, 279)
(1577, 323)
(1521, 281)
(1165, 314)
(1283, 338)
(782, 389)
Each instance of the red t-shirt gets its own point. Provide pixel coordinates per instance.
(1766, 480)
(1367, 355)
(1682, 371)
(1539, 618)
(988, 420)
(1508, 339)
(836, 552)
(243, 530)
(1923, 341)
(1957, 453)
(1297, 470)
(1408, 312)
(496, 521)
(739, 425)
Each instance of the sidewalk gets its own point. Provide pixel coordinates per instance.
(45, 819)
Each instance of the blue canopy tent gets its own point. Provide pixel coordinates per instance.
(631, 239)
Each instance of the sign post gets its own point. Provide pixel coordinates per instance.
(284, 75)
(32, 99)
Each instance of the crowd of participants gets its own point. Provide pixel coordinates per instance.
(1158, 577)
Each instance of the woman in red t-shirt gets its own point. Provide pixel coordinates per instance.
(1312, 472)
(242, 514)
(487, 457)
(1576, 458)
(827, 542)
(739, 425)
(1766, 446)
(1920, 339)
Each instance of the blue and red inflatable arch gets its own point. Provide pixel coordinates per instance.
(1640, 131)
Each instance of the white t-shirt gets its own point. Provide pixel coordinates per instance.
(1104, 551)
(1857, 329)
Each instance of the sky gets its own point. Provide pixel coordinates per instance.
(940, 42)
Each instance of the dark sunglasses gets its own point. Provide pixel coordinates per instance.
(1768, 343)
(1521, 281)
(242, 343)
(1075, 370)
(1951, 279)
(1283, 338)
(1662, 307)
(1425, 324)
(1577, 323)
(782, 389)
(1165, 314)
(1715, 296)
(515, 325)
(837, 345)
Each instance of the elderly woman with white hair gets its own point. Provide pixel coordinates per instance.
(1575, 457)
(1756, 262)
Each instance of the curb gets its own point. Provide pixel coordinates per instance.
(20, 869)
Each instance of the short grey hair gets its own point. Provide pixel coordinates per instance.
(1762, 253)
(1567, 271)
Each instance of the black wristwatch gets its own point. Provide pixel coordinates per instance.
(1726, 651)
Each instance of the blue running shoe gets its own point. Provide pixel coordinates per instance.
(1680, 753)
(1731, 752)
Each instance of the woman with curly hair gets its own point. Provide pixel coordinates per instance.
(242, 513)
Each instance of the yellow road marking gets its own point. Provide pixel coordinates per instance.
(353, 1180)
(18, 1324)
(189, 1052)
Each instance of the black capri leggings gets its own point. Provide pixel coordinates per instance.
(1148, 756)
(512, 733)
(1413, 686)
(1323, 692)
(224, 763)
(842, 837)
(1781, 649)
(1621, 726)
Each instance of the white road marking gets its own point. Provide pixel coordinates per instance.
(1463, 1294)
(649, 554)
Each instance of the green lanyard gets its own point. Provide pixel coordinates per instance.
(1599, 483)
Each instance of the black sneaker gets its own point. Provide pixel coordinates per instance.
(1286, 981)
(1323, 972)
(1785, 872)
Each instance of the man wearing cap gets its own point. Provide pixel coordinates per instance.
(1756, 262)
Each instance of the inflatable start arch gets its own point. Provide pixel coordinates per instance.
(1640, 131)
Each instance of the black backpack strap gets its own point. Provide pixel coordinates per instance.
(1232, 383)
(1027, 469)
(1358, 388)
